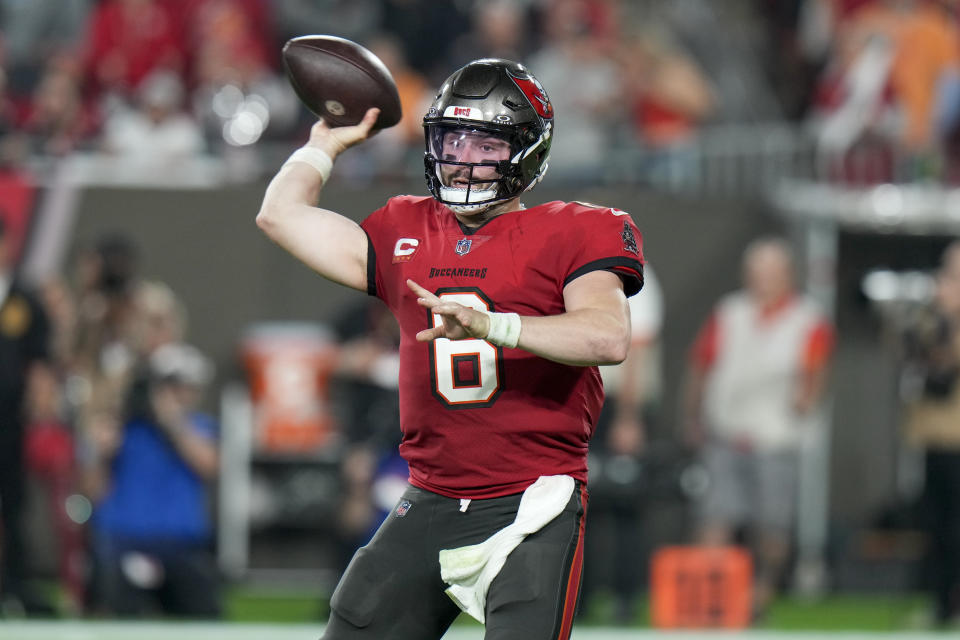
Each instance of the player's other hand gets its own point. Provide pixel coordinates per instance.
(335, 140)
(459, 322)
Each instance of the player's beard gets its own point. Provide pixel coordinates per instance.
(467, 180)
(484, 213)
(474, 214)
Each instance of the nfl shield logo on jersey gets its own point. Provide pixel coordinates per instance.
(463, 246)
(403, 507)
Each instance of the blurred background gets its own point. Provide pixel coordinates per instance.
(210, 429)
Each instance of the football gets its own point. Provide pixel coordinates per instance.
(338, 80)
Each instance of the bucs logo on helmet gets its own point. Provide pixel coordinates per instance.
(535, 93)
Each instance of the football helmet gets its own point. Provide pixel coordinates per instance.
(488, 134)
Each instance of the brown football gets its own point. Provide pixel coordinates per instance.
(338, 80)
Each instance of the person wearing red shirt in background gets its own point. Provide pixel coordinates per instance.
(504, 312)
(757, 371)
(128, 39)
(670, 98)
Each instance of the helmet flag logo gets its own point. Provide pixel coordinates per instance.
(535, 93)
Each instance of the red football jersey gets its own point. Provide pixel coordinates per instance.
(481, 421)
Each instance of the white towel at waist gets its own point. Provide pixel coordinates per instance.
(470, 570)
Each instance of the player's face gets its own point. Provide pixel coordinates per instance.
(463, 145)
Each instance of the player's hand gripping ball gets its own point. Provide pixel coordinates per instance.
(338, 80)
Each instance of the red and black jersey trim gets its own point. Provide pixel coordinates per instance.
(627, 268)
(371, 267)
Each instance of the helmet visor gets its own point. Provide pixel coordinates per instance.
(470, 162)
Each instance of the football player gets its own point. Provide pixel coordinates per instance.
(505, 313)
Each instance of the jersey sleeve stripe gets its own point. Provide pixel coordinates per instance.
(629, 270)
(371, 267)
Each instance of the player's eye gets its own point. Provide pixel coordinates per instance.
(493, 146)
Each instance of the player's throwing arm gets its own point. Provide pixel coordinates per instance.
(332, 245)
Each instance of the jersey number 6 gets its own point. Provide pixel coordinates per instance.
(466, 374)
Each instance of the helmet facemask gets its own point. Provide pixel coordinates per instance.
(471, 169)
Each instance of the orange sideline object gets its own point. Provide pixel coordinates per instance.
(701, 587)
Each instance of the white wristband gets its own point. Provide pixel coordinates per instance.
(316, 158)
(504, 329)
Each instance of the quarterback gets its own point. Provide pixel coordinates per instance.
(504, 313)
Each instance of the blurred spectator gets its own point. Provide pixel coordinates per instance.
(35, 31)
(757, 372)
(107, 278)
(23, 362)
(669, 97)
(250, 23)
(799, 39)
(367, 373)
(395, 152)
(159, 318)
(415, 92)
(357, 20)
(585, 87)
(895, 71)
(51, 451)
(122, 322)
(157, 130)
(58, 121)
(427, 30)
(127, 40)
(237, 92)
(12, 145)
(632, 388)
(499, 29)
(356, 516)
(926, 73)
(230, 41)
(367, 379)
(932, 349)
(614, 550)
(61, 307)
(854, 114)
(50, 460)
(152, 533)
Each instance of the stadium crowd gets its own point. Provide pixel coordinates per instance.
(874, 81)
(182, 77)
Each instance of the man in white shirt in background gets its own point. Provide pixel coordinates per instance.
(757, 372)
